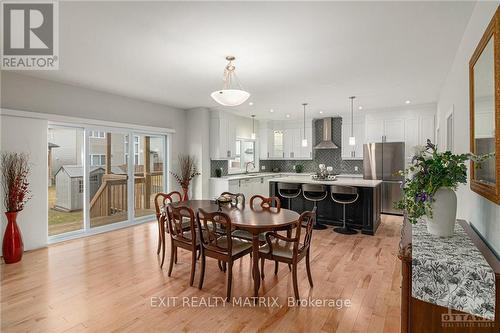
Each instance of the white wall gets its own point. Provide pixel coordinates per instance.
(22, 92)
(29, 136)
(483, 214)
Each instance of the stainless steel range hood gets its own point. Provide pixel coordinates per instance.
(327, 142)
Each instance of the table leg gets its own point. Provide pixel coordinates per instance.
(255, 266)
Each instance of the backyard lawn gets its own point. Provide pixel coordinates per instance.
(60, 222)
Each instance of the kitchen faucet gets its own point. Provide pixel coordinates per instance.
(246, 166)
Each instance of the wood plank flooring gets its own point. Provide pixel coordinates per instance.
(107, 283)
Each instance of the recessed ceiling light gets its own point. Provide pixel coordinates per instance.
(250, 103)
(287, 115)
(408, 101)
(360, 107)
(321, 112)
(271, 110)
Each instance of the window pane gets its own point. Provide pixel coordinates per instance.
(108, 184)
(65, 180)
(148, 177)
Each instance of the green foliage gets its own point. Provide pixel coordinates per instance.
(429, 171)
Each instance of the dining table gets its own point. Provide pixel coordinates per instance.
(254, 220)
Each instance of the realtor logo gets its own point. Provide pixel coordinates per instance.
(30, 36)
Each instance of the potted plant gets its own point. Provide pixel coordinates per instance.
(15, 187)
(188, 171)
(429, 188)
(299, 168)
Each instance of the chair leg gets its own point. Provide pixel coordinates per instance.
(172, 254)
(199, 255)
(262, 268)
(290, 267)
(294, 278)
(308, 268)
(202, 273)
(220, 265)
(224, 266)
(193, 266)
(162, 254)
(159, 239)
(229, 279)
(175, 256)
(276, 267)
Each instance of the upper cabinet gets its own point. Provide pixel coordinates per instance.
(283, 140)
(222, 136)
(358, 129)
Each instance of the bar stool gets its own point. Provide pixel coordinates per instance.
(315, 193)
(289, 191)
(344, 195)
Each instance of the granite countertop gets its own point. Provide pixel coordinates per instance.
(346, 181)
(280, 174)
(451, 272)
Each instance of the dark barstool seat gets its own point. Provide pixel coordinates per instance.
(289, 191)
(315, 193)
(344, 195)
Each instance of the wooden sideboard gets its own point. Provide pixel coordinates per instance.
(422, 317)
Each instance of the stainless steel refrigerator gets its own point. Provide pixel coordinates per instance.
(382, 161)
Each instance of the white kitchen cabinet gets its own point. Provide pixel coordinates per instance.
(411, 137)
(265, 140)
(249, 186)
(426, 129)
(222, 136)
(374, 130)
(283, 140)
(352, 152)
(292, 143)
(394, 130)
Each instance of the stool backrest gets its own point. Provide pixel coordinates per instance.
(337, 189)
(313, 188)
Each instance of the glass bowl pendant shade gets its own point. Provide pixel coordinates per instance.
(231, 94)
(230, 97)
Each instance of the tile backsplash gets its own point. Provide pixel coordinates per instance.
(329, 157)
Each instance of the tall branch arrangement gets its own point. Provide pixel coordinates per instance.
(15, 185)
(188, 170)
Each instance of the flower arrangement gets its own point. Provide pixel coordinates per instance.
(15, 186)
(429, 171)
(188, 170)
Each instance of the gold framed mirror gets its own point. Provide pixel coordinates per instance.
(484, 88)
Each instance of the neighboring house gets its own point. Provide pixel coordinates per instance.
(69, 186)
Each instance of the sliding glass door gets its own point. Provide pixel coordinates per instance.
(65, 179)
(102, 178)
(108, 177)
(149, 162)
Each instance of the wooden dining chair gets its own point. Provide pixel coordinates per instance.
(218, 243)
(161, 200)
(291, 250)
(180, 237)
(258, 201)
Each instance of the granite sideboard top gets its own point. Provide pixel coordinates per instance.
(451, 272)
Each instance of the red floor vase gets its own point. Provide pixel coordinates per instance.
(12, 246)
(185, 191)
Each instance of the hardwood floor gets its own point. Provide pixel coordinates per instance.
(108, 282)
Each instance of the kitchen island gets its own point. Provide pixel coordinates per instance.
(362, 215)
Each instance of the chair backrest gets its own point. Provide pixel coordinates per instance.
(175, 218)
(161, 199)
(265, 202)
(306, 221)
(214, 230)
(238, 198)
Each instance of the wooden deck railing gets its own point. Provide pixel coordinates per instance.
(111, 197)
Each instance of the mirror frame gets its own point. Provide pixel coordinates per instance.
(490, 192)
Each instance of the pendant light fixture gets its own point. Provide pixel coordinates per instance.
(253, 127)
(352, 139)
(231, 93)
(304, 140)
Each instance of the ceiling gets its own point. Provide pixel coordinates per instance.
(286, 53)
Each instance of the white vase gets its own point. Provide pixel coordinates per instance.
(444, 213)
